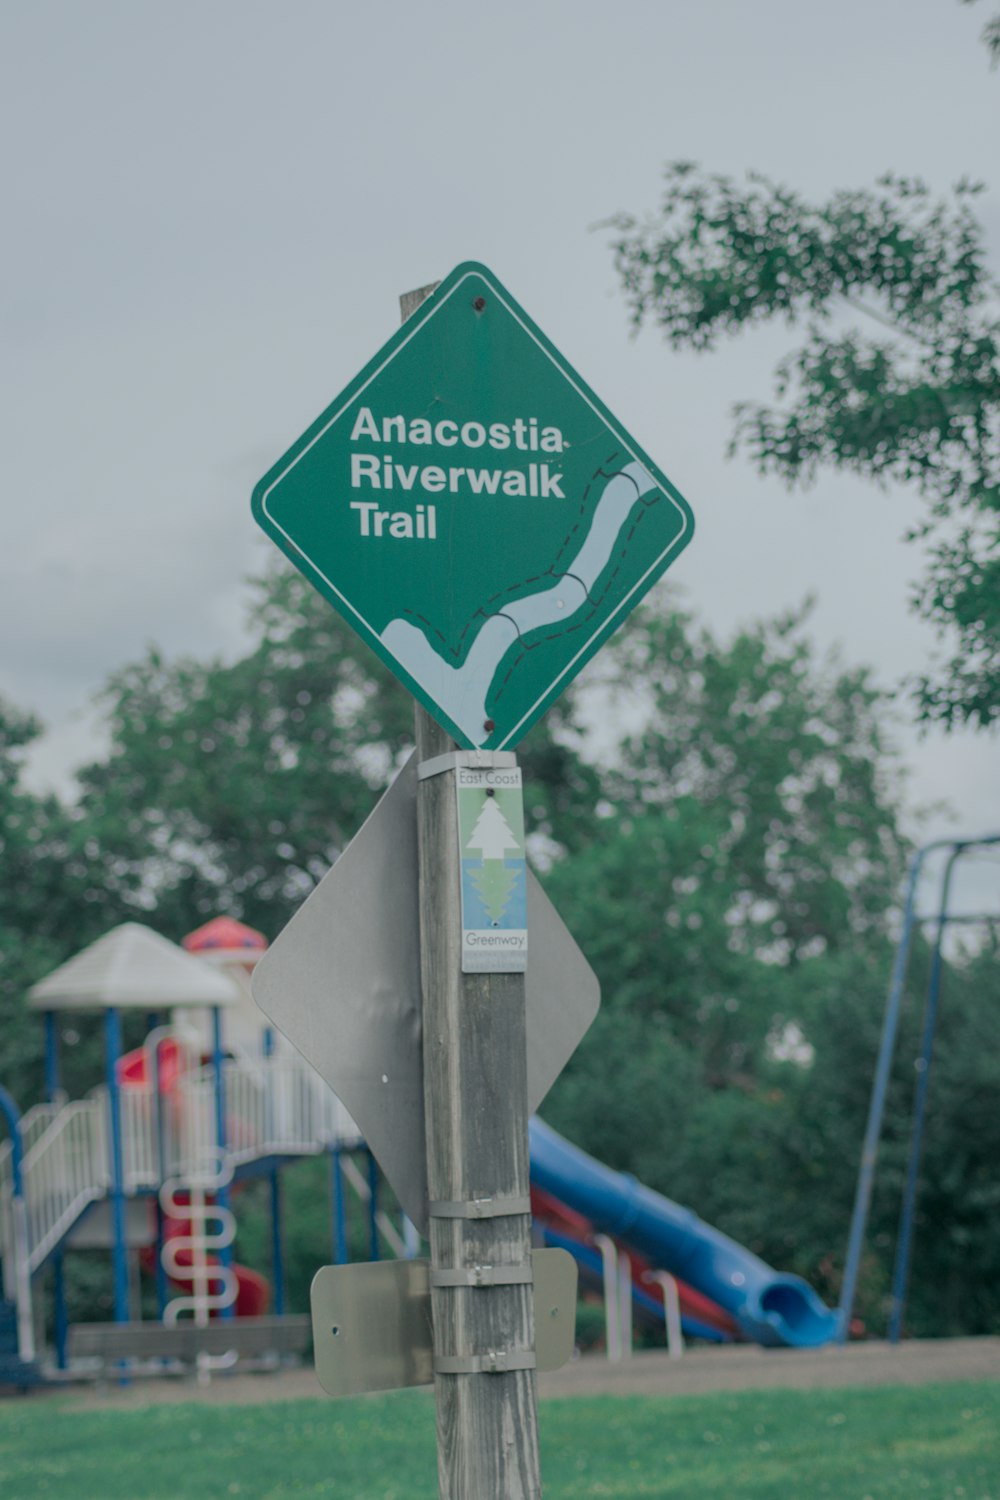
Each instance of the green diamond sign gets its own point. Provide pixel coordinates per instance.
(475, 512)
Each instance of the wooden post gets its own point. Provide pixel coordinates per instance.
(476, 1109)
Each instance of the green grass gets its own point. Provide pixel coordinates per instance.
(939, 1442)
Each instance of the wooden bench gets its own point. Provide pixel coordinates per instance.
(248, 1338)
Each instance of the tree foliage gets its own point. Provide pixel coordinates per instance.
(234, 786)
(52, 900)
(896, 375)
(750, 828)
(990, 35)
(735, 900)
(729, 865)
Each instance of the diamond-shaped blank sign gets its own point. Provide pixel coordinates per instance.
(475, 512)
(342, 982)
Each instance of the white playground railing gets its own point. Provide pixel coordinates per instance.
(277, 1105)
(35, 1122)
(66, 1169)
(274, 1106)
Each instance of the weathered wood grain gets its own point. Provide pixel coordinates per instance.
(475, 1096)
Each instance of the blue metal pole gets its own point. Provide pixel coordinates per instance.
(60, 1312)
(876, 1107)
(51, 1056)
(901, 1270)
(339, 1209)
(220, 1083)
(119, 1260)
(162, 1287)
(19, 1216)
(162, 1284)
(60, 1315)
(373, 1204)
(873, 1130)
(222, 1195)
(268, 1048)
(12, 1115)
(277, 1242)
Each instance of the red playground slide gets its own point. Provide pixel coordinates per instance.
(253, 1291)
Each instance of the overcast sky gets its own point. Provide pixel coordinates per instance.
(210, 210)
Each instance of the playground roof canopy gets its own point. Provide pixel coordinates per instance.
(132, 968)
(224, 939)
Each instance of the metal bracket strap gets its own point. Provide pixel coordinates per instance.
(493, 1362)
(481, 1208)
(483, 1276)
(476, 760)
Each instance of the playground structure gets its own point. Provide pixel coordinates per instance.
(147, 1161)
(145, 1166)
(954, 850)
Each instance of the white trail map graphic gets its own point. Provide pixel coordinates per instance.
(462, 691)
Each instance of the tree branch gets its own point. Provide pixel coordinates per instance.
(893, 326)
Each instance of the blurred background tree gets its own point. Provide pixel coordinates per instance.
(730, 862)
(896, 376)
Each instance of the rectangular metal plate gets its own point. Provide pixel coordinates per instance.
(372, 1326)
(494, 872)
(555, 1307)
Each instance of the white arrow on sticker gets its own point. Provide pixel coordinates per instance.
(492, 834)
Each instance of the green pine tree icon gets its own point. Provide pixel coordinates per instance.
(493, 838)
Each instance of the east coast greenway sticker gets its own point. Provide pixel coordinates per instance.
(475, 512)
(494, 882)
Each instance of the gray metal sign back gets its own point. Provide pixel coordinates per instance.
(342, 982)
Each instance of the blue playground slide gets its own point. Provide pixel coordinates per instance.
(771, 1308)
